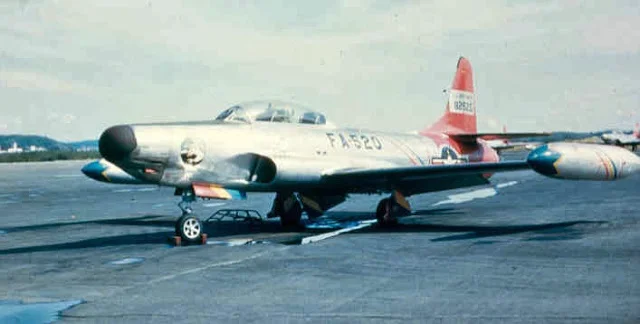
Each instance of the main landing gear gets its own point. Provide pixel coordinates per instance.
(188, 226)
(288, 208)
(389, 209)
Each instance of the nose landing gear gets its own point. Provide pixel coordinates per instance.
(188, 227)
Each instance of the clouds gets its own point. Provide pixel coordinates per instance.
(365, 63)
(26, 80)
(618, 34)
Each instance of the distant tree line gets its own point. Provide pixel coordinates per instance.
(24, 141)
(48, 156)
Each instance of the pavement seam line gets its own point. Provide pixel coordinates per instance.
(186, 272)
(209, 266)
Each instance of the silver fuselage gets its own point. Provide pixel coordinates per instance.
(179, 154)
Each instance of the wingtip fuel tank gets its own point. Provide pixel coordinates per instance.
(579, 161)
(104, 171)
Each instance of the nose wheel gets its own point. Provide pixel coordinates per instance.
(188, 226)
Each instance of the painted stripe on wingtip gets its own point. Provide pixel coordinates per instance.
(212, 190)
(609, 167)
(104, 174)
(613, 166)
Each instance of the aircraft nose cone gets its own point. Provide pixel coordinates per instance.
(117, 142)
(542, 160)
(94, 170)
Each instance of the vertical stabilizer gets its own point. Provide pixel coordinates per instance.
(460, 114)
(636, 130)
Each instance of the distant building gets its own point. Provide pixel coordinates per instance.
(86, 149)
(15, 148)
(34, 148)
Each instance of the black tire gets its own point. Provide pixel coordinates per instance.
(292, 217)
(381, 210)
(189, 228)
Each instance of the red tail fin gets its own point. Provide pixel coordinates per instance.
(636, 130)
(460, 114)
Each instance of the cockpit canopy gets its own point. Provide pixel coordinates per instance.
(272, 112)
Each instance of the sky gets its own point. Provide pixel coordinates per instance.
(69, 69)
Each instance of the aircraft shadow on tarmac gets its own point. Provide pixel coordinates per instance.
(218, 227)
(132, 239)
(268, 230)
(230, 227)
(358, 215)
(546, 232)
(272, 231)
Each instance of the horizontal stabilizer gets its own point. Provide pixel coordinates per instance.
(469, 138)
(516, 146)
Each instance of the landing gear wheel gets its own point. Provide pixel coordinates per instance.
(189, 228)
(291, 218)
(384, 213)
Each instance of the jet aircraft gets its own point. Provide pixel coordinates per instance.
(621, 139)
(499, 144)
(313, 166)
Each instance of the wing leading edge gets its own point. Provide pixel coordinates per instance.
(408, 177)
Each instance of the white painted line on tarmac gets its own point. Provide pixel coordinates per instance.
(210, 205)
(317, 238)
(232, 242)
(506, 184)
(68, 175)
(208, 266)
(147, 189)
(468, 196)
(127, 261)
(475, 194)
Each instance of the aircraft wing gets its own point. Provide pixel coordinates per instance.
(440, 175)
